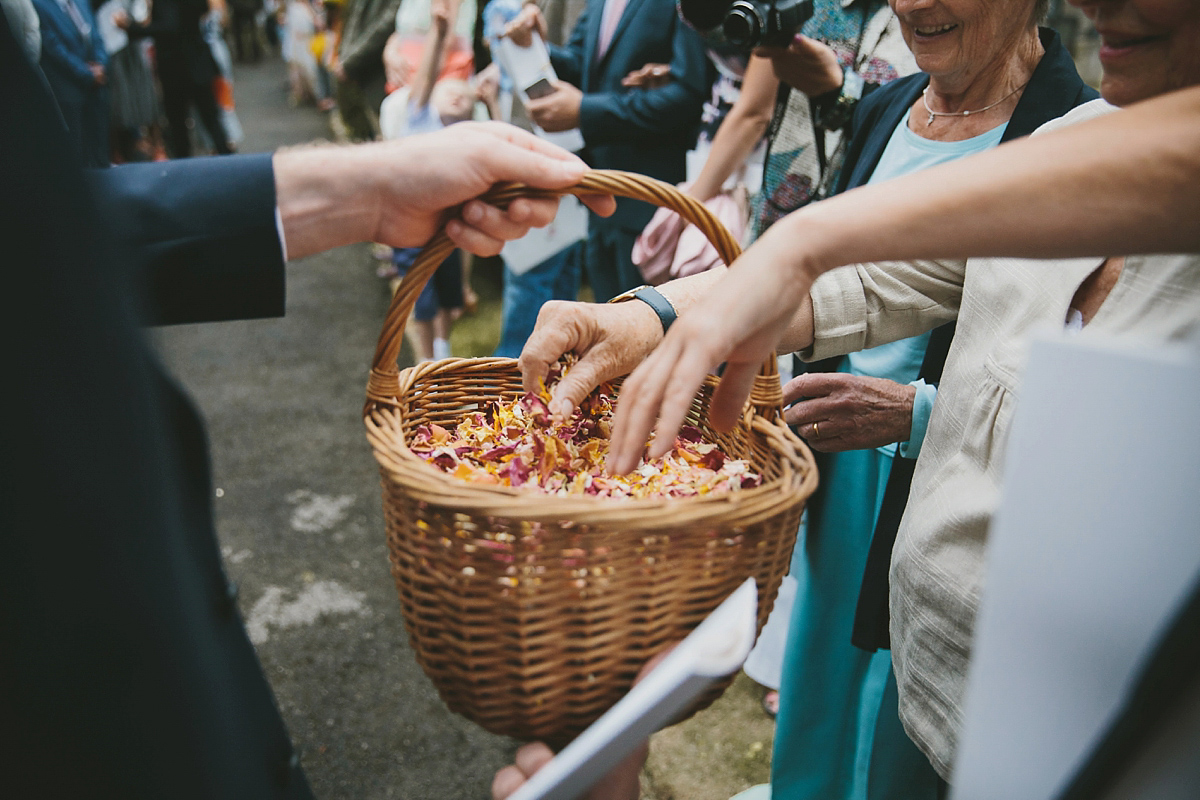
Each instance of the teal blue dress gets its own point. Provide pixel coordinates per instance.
(837, 729)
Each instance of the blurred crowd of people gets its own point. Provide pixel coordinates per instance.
(132, 77)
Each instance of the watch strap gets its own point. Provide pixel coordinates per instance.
(653, 298)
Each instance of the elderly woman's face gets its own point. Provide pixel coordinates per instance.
(961, 37)
(1148, 47)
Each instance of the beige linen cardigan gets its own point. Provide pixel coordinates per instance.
(937, 570)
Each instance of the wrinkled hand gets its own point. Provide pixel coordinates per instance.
(650, 76)
(558, 111)
(806, 65)
(837, 412)
(622, 783)
(401, 192)
(610, 339)
(738, 321)
(523, 26)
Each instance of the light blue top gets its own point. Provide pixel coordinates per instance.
(906, 153)
(421, 119)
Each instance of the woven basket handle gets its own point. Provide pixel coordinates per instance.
(766, 396)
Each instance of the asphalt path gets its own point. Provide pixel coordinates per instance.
(299, 514)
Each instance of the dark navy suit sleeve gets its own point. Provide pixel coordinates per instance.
(623, 116)
(201, 234)
(125, 671)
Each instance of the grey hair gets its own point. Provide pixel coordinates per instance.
(1041, 8)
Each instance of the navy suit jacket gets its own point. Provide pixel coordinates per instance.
(125, 670)
(647, 131)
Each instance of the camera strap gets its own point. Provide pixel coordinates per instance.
(819, 133)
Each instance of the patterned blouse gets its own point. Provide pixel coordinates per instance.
(866, 37)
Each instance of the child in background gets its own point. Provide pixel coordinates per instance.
(426, 105)
(299, 27)
(323, 48)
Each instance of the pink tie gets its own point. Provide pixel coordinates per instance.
(608, 25)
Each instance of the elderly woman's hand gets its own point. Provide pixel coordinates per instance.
(806, 65)
(610, 339)
(835, 411)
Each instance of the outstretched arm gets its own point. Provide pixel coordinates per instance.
(202, 233)
(741, 129)
(440, 12)
(1128, 182)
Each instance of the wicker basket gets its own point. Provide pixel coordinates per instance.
(532, 614)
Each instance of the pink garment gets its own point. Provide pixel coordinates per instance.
(613, 9)
(671, 248)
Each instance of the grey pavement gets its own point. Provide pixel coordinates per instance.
(299, 515)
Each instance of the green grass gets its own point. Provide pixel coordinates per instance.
(476, 335)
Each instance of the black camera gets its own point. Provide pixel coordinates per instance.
(746, 24)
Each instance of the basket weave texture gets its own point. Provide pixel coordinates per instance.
(532, 614)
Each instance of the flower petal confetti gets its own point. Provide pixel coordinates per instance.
(519, 444)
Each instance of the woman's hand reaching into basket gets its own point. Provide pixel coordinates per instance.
(402, 192)
(739, 321)
(609, 339)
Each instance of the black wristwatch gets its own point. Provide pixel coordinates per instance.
(653, 298)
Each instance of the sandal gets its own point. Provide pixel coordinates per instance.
(770, 703)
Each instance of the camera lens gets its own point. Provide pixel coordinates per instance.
(741, 28)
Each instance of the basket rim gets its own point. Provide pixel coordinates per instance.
(403, 466)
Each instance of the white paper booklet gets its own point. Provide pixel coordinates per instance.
(533, 76)
(716, 648)
(569, 226)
